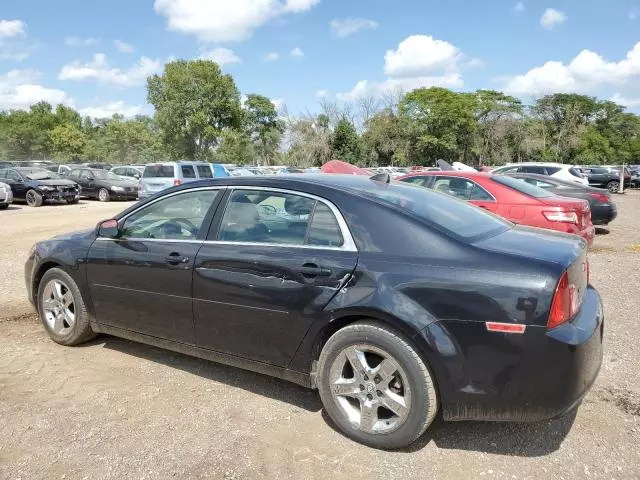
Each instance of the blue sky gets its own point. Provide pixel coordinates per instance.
(96, 55)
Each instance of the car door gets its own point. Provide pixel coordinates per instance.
(17, 183)
(267, 272)
(141, 280)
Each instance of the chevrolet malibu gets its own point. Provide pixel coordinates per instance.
(394, 301)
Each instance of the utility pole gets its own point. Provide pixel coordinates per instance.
(621, 186)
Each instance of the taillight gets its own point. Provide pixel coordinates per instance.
(566, 217)
(601, 197)
(176, 182)
(565, 302)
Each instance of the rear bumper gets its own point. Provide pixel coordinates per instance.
(603, 214)
(588, 234)
(538, 375)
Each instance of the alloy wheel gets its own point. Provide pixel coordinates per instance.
(370, 388)
(31, 198)
(103, 195)
(613, 187)
(58, 307)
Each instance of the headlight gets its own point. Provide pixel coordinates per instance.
(46, 188)
(117, 189)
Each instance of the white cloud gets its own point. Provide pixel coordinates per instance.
(98, 69)
(278, 103)
(297, 53)
(419, 61)
(225, 20)
(18, 91)
(272, 57)
(365, 88)
(108, 110)
(634, 13)
(585, 72)
(552, 18)
(321, 93)
(222, 56)
(79, 42)
(349, 26)
(420, 54)
(475, 63)
(519, 7)
(625, 101)
(12, 28)
(124, 47)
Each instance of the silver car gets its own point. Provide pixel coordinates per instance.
(6, 196)
(158, 176)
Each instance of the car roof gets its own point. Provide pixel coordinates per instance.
(536, 164)
(452, 173)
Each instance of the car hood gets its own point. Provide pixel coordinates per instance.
(56, 182)
(76, 235)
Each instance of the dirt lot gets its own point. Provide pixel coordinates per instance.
(115, 409)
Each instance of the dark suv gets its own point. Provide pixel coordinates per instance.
(606, 177)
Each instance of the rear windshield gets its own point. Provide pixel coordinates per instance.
(522, 187)
(204, 171)
(155, 171)
(446, 213)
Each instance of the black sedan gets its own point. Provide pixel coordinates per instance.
(394, 301)
(603, 210)
(104, 185)
(37, 185)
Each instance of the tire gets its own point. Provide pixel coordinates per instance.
(103, 195)
(72, 200)
(33, 198)
(346, 393)
(4, 206)
(51, 300)
(613, 186)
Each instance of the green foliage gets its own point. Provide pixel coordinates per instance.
(345, 143)
(68, 142)
(194, 103)
(263, 126)
(235, 147)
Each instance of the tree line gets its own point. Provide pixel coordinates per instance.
(200, 114)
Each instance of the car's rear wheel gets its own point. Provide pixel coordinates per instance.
(613, 186)
(4, 206)
(375, 386)
(73, 200)
(103, 195)
(34, 199)
(62, 309)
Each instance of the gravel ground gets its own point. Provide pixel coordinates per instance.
(116, 409)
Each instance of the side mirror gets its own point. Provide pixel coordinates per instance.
(108, 228)
(136, 176)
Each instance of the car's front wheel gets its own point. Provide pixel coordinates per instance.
(62, 309)
(34, 199)
(375, 386)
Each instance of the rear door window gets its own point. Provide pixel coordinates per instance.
(421, 181)
(324, 229)
(188, 171)
(533, 169)
(204, 171)
(158, 171)
(552, 170)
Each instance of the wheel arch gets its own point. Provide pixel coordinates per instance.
(39, 273)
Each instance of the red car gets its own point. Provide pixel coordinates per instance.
(513, 199)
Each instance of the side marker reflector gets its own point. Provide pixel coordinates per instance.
(505, 327)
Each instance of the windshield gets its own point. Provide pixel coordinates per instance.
(40, 174)
(522, 187)
(447, 213)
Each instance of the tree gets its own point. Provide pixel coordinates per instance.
(194, 103)
(235, 147)
(263, 126)
(310, 141)
(68, 142)
(345, 143)
(441, 124)
(384, 140)
(498, 117)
